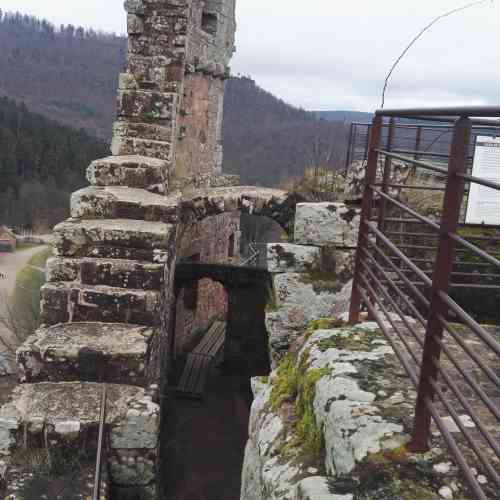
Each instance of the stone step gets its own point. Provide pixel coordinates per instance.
(114, 238)
(152, 131)
(131, 170)
(123, 203)
(65, 302)
(65, 415)
(125, 146)
(107, 352)
(118, 273)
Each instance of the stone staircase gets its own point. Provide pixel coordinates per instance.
(100, 312)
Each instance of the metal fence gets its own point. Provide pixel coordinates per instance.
(416, 138)
(410, 263)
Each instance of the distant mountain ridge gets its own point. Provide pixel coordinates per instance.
(345, 116)
(70, 75)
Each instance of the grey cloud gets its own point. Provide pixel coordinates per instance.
(334, 54)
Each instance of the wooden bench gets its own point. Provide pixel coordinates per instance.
(213, 340)
(199, 362)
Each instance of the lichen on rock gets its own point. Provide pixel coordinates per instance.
(330, 423)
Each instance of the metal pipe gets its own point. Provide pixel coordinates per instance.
(402, 358)
(400, 273)
(486, 256)
(408, 210)
(408, 186)
(388, 243)
(366, 213)
(418, 163)
(98, 465)
(444, 375)
(441, 281)
(451, 112)
(416, 153)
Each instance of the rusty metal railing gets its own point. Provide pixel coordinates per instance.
(409, 265)
(416, 138)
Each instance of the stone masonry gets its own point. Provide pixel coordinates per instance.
(106, 308)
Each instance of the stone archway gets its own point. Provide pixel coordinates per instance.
(273, 203)
(247, 289)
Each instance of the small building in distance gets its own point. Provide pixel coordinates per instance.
(7, 240)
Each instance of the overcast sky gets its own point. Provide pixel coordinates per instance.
(334, 54)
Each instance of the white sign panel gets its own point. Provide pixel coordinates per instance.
(484, 203)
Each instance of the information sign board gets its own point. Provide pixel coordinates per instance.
(483, 206)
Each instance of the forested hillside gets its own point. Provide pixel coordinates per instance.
(66, 73)
(267, 141)
(41, 163)
(70, 75)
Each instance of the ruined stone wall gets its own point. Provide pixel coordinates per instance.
(170, 107)
(107, 308)
(213, 240)
(170, 98)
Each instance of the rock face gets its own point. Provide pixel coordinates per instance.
(287, 257)
(311, 275)
(331, 418)
(297, 303)
(327, 224)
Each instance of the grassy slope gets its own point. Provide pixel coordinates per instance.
(26, 296)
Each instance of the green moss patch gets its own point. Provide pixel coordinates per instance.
(322, 281)
(354, 340)
(271, 301)
(25, 299)
(296, 384)
(323, 324)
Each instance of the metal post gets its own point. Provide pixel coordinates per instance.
(418, 141)
(453, 197)
(366, 212)
(348, 158)
(386, 178)
(386, 175)
(367, 143)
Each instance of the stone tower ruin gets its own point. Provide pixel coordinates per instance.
(107, 310)
(170, 98)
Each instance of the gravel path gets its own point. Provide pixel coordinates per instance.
(10, 265)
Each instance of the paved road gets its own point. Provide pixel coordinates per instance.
(10, 265)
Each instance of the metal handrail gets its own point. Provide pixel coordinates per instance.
(100, 445)
(253, 256)
(429, 300)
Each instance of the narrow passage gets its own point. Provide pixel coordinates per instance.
(206, 440)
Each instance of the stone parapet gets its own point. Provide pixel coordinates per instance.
(64, 302)
(91, 352)
(83, 238)
(130, 171)
(288, 257)
(119, 273)
(123, 203)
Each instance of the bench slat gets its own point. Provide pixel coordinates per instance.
(198, 363)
